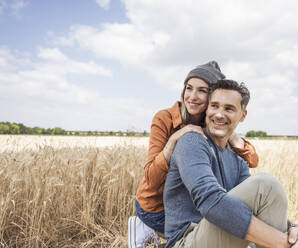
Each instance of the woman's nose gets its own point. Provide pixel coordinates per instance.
(193, 95)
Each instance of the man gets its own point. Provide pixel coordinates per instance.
(210, 199)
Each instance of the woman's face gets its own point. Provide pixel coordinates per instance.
(196, 96)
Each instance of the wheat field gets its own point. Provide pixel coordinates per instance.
(80, 191)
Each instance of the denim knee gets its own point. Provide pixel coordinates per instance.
(154, 220)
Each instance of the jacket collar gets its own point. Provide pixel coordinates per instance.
(176, 115)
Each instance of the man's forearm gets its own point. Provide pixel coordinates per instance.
(262, 234)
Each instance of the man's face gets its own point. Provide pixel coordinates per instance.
(224, 112)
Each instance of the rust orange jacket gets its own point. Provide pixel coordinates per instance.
(164, 124)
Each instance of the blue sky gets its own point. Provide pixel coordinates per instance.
(110, 65)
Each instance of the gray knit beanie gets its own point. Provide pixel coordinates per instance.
(209, 72)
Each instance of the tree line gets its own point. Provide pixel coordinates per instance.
(253, 133)
(19, 128)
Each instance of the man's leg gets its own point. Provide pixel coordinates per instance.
(268, 201)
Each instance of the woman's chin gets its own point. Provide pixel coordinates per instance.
(195, 112)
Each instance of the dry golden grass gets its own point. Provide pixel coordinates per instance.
(280, 158)
(72, 196)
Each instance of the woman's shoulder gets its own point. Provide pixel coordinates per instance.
(168, 113)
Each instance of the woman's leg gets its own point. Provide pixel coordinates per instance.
(156, 221)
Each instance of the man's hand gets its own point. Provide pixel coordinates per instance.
(293, 236)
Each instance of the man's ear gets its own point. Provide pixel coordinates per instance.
(244, 113)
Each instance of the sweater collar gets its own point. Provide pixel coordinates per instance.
(176, 115)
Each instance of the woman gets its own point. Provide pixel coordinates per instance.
(167, 127)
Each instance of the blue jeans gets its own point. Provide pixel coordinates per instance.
(154, 220)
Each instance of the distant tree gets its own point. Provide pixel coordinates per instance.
(253, 133)
(89, 133)
(38, 130)
(48, 131)
(77, 133)
(261, 134)
(23, 128)
(131, 132)
(14, 128)
(4, 128)
(58, 131)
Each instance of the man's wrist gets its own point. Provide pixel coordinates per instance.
(290, 225)
(281, 242)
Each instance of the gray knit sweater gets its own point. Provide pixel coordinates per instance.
(200, 175)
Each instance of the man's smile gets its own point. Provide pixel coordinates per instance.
(219, 124)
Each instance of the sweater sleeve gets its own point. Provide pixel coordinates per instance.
(244, 171)
(156, 167)
(193, 159)
(248, 153)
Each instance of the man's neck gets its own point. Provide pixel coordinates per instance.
(219, 141)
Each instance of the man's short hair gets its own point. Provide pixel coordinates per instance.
(227, 84)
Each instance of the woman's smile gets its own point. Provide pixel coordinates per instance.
(195, 96)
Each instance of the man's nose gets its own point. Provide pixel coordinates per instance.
(219, 114)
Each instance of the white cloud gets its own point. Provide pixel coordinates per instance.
(103, 3)
(53, 54)
(43, 94)
(183, 34)
(252, 42)
(50, 75)
(123, 42)
(57, 61)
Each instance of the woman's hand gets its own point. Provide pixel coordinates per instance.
(236, 141)
(169, 147)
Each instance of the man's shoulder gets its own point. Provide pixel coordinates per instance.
(191, 148)
(194, 140)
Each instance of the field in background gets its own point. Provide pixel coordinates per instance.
(75, 192)
(35, 142)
